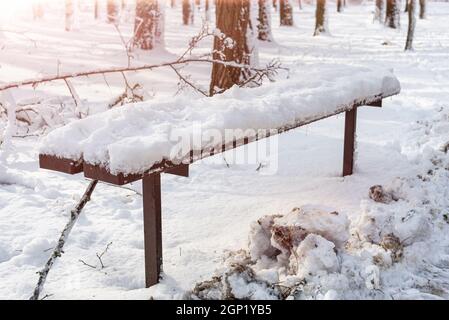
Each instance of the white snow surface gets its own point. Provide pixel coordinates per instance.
(402, 147)
(132, 138)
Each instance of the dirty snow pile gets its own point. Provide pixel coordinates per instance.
(132, 138)
(397, 247)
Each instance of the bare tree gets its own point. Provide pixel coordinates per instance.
(379, 10)
(422, 9)
(207, 10)
(264, 26)
(187, 12)
(340, 5)
(411, 24)
(112, 11)
(69, 12)
(38, 10)
(286, 13)
(233, 45)
(320, 18)
(147, 26)
(392, 14)
(96, 10)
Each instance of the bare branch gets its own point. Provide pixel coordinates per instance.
(126, 45)
(34, 82)
(99, 256)
(57, 252)
(72, 93)
(190, 84)
(86, 264)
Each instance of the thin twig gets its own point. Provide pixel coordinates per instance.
(99, 256)
(184, 80)
(86, 264)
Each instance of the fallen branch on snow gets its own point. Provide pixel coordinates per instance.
(260, 73)
(57, 252)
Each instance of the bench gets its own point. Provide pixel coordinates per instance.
(368, 88)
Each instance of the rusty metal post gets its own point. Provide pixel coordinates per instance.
(152, 227)
(349, 146)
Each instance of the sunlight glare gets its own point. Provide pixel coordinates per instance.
(7, 8)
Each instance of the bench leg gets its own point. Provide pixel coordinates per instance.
(152, 227)
(350, 133)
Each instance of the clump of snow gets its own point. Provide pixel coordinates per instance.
(277, 236)
(313, 256)
(132, 138)
(321, 220)
(260, 238)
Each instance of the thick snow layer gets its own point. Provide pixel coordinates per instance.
(132, 138)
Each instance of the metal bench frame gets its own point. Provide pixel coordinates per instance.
(151, 179)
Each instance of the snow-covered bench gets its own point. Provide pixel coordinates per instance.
(136, 142)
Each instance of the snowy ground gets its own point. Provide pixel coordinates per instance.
(212, 211)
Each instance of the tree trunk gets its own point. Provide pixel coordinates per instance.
(112, 11)
(148, 25)
(379, 11)
(286, 13)
(207, 10)
(411, 24)
(422, 9)
(187, 12)
(96, 10)
(320, 17)
(69, 15)
(38, 11)
(300, 4)
(264, 26)
(172, 3)
(234, 21)
(275, 5)
(339, 5)
(406, 6)
(392, 14)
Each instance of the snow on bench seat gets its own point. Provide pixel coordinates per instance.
(132, 138)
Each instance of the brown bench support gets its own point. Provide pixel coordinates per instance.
(152, 222)
(152, 227)
(349, 144)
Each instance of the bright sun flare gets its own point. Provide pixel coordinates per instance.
(8, 7)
